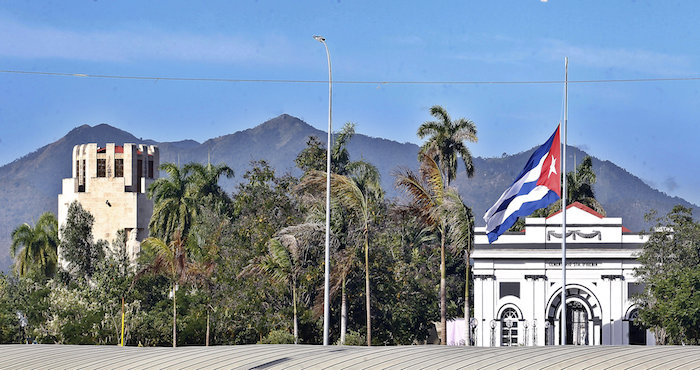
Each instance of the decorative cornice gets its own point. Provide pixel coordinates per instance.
(536, 277)
(485, 277)
(612, 277)
(575, 233)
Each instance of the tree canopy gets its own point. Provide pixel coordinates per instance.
(670, 272)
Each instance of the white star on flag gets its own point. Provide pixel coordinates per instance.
(553, 167)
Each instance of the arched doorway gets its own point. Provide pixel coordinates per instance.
(509, 327)
(583, 323)
(576, 323)
(637, 333)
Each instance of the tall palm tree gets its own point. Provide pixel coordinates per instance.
(36, 247)
(175, 205)
(359, 192)
(287, 257)
(203, 266)
(461, 234)
(427, 191)
(446, 142)
(340, 156)
(579, 185)
(169, 260)
(204, 180)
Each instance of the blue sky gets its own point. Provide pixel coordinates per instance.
(649, 128)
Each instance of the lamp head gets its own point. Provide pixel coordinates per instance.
(320, 39)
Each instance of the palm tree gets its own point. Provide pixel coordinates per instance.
(359, 192)
(579, 186)
(340, 157)
(446, 142)
(169, 260)
(288, 255)
(428, 193)
(461, 233)
(201, 270)
(313, 157)
(205, 183)
(174, 204)
(36, 248)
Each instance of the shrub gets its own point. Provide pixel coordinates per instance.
(278, 337)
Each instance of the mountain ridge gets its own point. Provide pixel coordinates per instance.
(30, 184)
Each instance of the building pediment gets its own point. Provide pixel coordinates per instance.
(583, 226)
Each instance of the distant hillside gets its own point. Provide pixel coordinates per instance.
(30, 185)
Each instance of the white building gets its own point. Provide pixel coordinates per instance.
(111, 184)
(518, 282)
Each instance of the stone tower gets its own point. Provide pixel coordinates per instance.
(111, 184)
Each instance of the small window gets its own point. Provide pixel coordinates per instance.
(150, 169)
(507, 289)
(101, 167)
(77, 168)
(82, 178)
(634, 289)
(118, 167)
(139, 174)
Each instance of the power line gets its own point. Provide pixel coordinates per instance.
(356, 82)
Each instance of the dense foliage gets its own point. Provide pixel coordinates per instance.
(670, 271)
(247, 266)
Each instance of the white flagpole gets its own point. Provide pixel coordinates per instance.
(563, 205)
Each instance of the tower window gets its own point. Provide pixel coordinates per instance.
(101, 167)
(118, 167)
(150, 169)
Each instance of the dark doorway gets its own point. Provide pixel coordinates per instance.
(638, 334)
(576, 324)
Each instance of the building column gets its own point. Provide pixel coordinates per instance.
(484, 311)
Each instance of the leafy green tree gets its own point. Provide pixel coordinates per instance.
(670, 272)
(24, 309)
(113, 289)
(36, 247)
(427, 192)
(248, 308)
(313, 157)
(446, 142)
(77, 245)
(412, 305)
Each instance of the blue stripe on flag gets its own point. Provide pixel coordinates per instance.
(525, 210)
(535, 158)
(525, 189)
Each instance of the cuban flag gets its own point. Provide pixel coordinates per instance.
(537, 186)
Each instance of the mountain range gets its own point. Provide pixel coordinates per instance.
(30, 185)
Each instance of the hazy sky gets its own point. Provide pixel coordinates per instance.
(649, 128)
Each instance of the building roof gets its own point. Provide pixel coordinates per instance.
(120, 149)
(579, 206)
(45, 356)
(117, 149)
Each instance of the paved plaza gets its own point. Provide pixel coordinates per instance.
(336, 357)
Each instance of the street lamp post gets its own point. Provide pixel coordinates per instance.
(326, 293)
